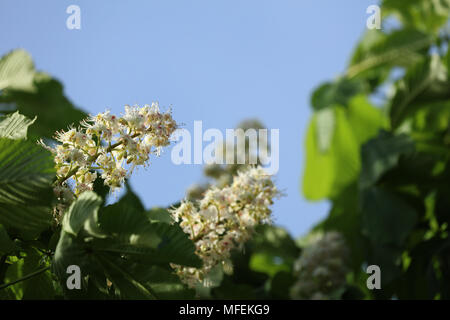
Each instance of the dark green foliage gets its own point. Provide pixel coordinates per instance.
(26, 174)
(393, 211)
(115, 242)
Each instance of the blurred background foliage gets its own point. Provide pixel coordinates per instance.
(377, 147)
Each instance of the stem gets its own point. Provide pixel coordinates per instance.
(3, 286)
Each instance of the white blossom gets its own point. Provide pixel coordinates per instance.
(224, 220)
(110, 147)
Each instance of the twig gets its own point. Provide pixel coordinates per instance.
(3, 286)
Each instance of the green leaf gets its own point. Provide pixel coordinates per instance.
(319, 171)
(131, 232)
(112, 241)
(80, 212)
(387, 218)
(364, 119)
(151, 241)
(159, 214)
(332, 146)
(131, 199)
(16, 70)
(431, 117)
(422, 280)
(175, 246)
(338, 92)
(101, 189)
(382, 154)
(424, 83)
(327, 172)
(6, 244)
(40, 286)
(127, 285)
(26, 174)
(14, 272)
(15, 126)
(165, 284)
(77, 251)
(129, 227)
(379, 50)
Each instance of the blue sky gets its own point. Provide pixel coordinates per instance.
(215, 61)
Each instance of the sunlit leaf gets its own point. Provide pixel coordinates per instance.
(15, 126)
(26, 175)
(16, 70)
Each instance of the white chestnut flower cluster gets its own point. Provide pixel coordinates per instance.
(223, 220)
(321, 269)
(109, 146)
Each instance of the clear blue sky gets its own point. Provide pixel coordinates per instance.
(216, 61)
